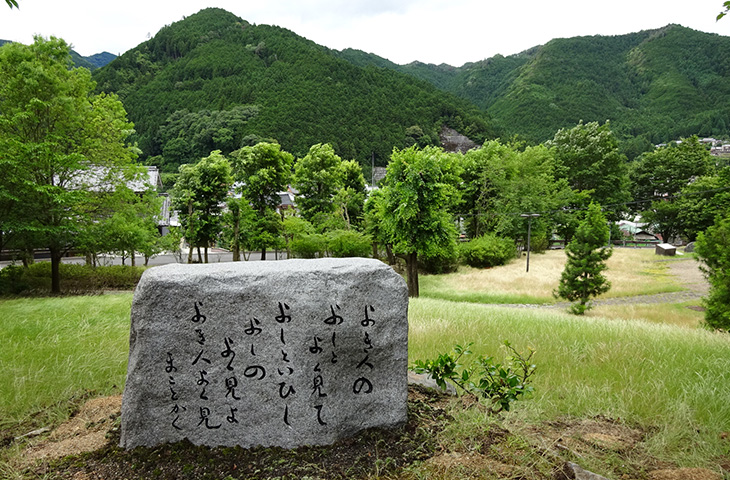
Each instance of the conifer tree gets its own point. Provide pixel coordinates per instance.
(713, 252)
(587, 253)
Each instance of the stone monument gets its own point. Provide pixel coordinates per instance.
(282, 353)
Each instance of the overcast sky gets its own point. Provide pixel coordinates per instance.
(453, 32)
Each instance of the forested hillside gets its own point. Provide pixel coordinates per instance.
(654, 86)
(214, 81)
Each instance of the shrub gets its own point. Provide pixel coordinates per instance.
(309, 246)
(117, 276)
(487, 251)
(11, 280)
(539, 243)
(348, 243)
(500, 384)
(74, 277)
(439, 259)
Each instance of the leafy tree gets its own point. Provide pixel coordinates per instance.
(294, 227)
(587, 253)
(123, 223)
(418, 196)
(660, 176)
(501, 181)
(238, 224)
(350, 199)
(63, 147)
(262, 171)
(702, 201)
(588, 157)
(317, 177)
(186, 135)
(373, 220)
(725, 5)
(198, 195)
(712, 249)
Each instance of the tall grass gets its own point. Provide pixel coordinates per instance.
(672, 381)
(56, 348)
(631, 272)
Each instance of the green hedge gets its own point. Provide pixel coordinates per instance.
(487, 251)
(37, 278)
(349, 243)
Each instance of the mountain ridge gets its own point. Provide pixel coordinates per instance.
(213, 62)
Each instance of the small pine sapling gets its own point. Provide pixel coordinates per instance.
(587, 253)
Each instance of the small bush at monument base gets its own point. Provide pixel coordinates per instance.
(501, 384)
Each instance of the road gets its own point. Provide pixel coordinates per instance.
(215, 255)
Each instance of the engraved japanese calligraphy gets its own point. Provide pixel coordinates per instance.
(286, 353)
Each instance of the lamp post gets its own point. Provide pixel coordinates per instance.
(529, 217)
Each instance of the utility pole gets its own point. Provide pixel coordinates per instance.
(372, 170)
(529, 217)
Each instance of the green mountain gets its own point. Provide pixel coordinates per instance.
(654, 86)
(212, 80)
(92, 63)
(98, 60)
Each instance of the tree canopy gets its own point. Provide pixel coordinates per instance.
(198, 195)
(418, 198)
(659, 177)
(63, 147)
(588, 157)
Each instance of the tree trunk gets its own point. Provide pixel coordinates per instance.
(375, 250)
(236, 247)
(263, 253)
(131, 256)
(56, 255)
(88, 259)
(200, 257)
(389, 254)
(205, 252)
(28, 257)
(190, 254)
(412, 269)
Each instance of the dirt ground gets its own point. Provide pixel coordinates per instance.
(84, 448)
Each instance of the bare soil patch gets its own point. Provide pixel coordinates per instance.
(85, 448)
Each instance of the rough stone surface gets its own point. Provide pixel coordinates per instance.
(575, 471)
(284, 353)
(425, 380)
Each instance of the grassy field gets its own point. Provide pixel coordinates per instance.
(672, 381)
(644, 367)
(58, 349)
(631, 272)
